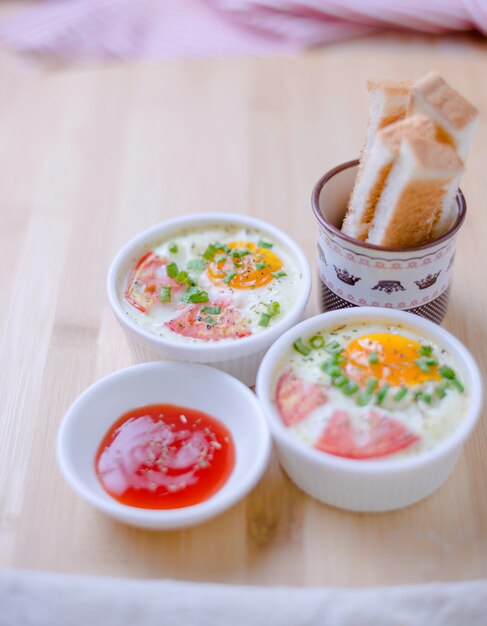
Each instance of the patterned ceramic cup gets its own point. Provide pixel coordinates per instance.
(355, 273)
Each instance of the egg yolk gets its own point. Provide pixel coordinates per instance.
(395, 356)
(247, 271)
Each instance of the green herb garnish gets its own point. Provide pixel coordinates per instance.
(422, 363)
(425, 351)
(381, 394)
(173, 248)
(350, 388)
(264, 320)
(447, 372)
(364, 398)
(229, 277)
(373, 358)
(299, 346)
(278, 274)
(440, 390)
(260, 266)
(333, 347)
(210, 252)
(211, 321)
(194, 295)
(371, 384)
(183, 278)
(238, 254)
(172, 270)
(211, 310)
(331, 369)
(424, 397)
(264, 244)
(273, 309)
(317, 342)
(340, 381)
(456, 383)
(165, 294)
(220, 258)
(399, 395)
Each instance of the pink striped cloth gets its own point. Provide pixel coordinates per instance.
(150, 29)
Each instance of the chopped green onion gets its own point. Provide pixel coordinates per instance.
(264, 320)
(212, 310)
(381, 394)
(430, 360)
(211, 321)
(425, 351)
(456, 383)
(172, 270)
(373, 358)
(196, 264)
(371, 384)
(364, 398)
(317, 342)
(424, 397)
(273, 309)
(350, 388)
(399, 395)
(299, 346)
(331, 369)
(423, 365)
(260, 266)
(334, 347)
(182, 278)
(240, 253)
(165, 294)
(220, 258)
(264, 244)
(278, 274)
(222, 246)
(440, 390)
(229, 277)
(173, 248)
(210, 252)
(447, 372)
(194, 295)
(340, 381)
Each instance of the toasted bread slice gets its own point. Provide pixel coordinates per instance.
(455, 117)
(388, 100)
(375, 167)
(417, 192)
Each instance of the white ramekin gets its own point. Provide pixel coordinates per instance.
(182, 384)
(375, 485)
(239, 357)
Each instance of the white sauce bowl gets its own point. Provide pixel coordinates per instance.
(369, 485)
(188, 385)
(239, 357)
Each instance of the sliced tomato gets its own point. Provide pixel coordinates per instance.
(296, 398)
(192, 322)
(381, 436)
(148, 275)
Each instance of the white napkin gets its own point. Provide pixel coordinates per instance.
(43, 599)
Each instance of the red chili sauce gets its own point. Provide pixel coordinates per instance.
(162, 456)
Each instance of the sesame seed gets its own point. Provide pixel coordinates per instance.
(184, 419)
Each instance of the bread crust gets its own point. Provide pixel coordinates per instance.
(447, 102)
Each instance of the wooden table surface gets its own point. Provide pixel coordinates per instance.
(89, 156)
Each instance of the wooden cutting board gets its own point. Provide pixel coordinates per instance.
(89, 156)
